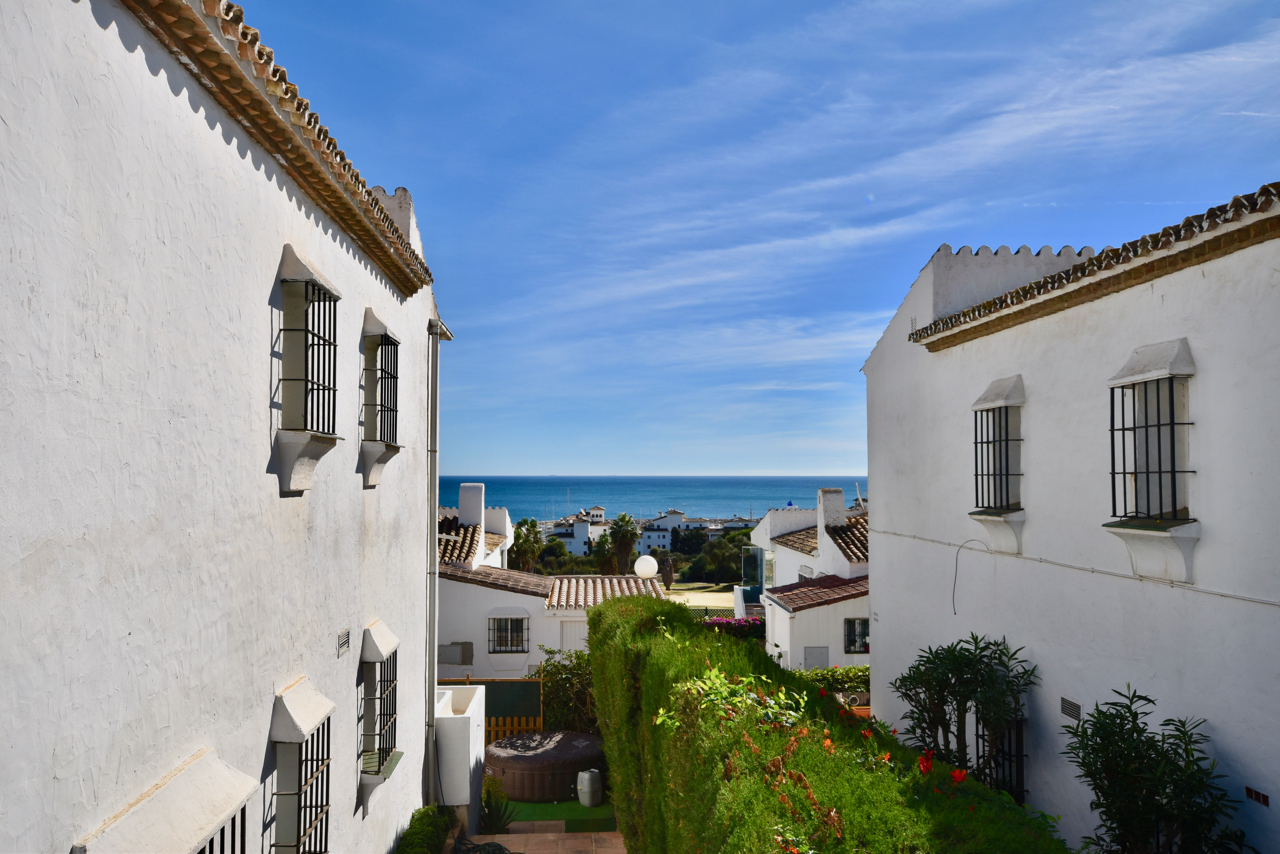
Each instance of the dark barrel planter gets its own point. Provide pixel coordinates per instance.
(541, 767)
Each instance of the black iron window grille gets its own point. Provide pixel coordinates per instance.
(997, 458)
(508, 634)
(302, 802)
(310, 348)
(380, 714)
(1148, 450)
(1006, 770)
(856, 636)
(381, 387)
(228, 839)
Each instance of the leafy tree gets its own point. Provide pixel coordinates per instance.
(688, 542)
(528, 545)
(1155, 793)
(567, 699)
(625, 533)
(724, 558)
(554, 548)
(602, 554)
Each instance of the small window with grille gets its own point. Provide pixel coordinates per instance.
(309, 338)
(302, 799)
(379, 741)
(228, 839)
(856, 636)
(1149, 449)
(508, 634)
(381, 378)
(997, 458)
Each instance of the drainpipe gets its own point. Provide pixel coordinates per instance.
(436, 330)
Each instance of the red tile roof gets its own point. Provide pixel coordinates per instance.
(816, 592)
(458, 550)
(804, 540)
(583, 591)
(851, 538)
(510, 580)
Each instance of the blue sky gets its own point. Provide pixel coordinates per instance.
(667, 234)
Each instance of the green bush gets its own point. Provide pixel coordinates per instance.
(667, 691)
(428, 831)
(567, 702)
(842, 679)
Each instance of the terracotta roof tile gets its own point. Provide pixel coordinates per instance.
(510, 580)
(493, 541)
(459, 550)
(583, 591)
(1128, 254)
(816, 592)
(227, 57)
(851, 538)
(805, 540)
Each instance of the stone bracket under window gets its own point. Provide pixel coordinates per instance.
(1159, 550)
(297, 452)
(374, 456)
(1004, 529)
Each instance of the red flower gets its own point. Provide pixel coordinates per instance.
(958, 776)
(894, 730)
(926, 763)
(866, 733)
(822, 692)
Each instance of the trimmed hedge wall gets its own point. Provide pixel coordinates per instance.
(705, 781)
(427, 832)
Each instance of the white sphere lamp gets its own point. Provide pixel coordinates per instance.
(646, 566)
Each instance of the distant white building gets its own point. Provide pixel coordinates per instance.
(493, 621)
(657, 533)
(1078, 452)
(815, 584)
(580, 531)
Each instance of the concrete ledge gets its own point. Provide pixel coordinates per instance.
(1004, 529)
(374, 456)
(297, 452)
(1159, 551)
(299, 710)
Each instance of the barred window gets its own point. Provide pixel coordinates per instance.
(228, 839)
(997, 458)
(856, 632)
(1148, 450)
(508, 634)
(379, 713)
(309, 392)
(381, 387)
(302, 801)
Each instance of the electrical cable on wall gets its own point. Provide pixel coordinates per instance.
(956, 578)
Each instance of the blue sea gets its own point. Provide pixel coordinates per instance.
(646, 497)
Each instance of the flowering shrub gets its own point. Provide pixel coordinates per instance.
(738, 627)
(728, 696)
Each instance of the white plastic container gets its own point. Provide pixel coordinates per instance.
(590, 790)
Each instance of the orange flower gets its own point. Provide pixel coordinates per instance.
(866, 733)
(957, 776)
(886, 757)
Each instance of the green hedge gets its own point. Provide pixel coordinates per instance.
(833, 679)
(427, 832)
(685, 778)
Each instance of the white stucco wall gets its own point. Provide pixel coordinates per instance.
(464, 617)
(156, 588)
(1071, 598)
(823, 626)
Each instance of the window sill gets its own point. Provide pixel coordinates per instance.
(1160, 550)
(370, 780)
(297, 452)
(374, 456)
(1004, 528)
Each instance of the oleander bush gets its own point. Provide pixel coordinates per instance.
(712, 747)
(428, 831)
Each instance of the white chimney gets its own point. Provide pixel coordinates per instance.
(471, 512)
(399, 207)
(831, 509)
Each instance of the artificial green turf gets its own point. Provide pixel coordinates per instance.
(565, 810)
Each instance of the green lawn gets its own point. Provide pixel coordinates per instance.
(576, 817)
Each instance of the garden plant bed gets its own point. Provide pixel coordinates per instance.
(778, 768)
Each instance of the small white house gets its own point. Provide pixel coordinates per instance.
(580, 531)
(472, 534)
(1078, 452)
(818, 622)
(801, 543)
(493, 621)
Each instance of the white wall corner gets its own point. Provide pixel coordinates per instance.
(297, 452)
(374, 456)
(1003, 529)
(1164, 554)
(298, 712)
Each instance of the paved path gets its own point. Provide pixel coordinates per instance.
(570, 843)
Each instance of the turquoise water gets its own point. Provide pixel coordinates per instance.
(646, 497)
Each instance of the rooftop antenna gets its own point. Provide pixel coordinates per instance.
(862, 505)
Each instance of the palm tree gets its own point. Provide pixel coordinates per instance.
(528, 544)
(602, 554)
(625, 534)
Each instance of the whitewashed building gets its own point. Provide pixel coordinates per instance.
(815, 587)
(493, 621)
(472, 534)
(1078, 453)
(580, 531)
(216, 523)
